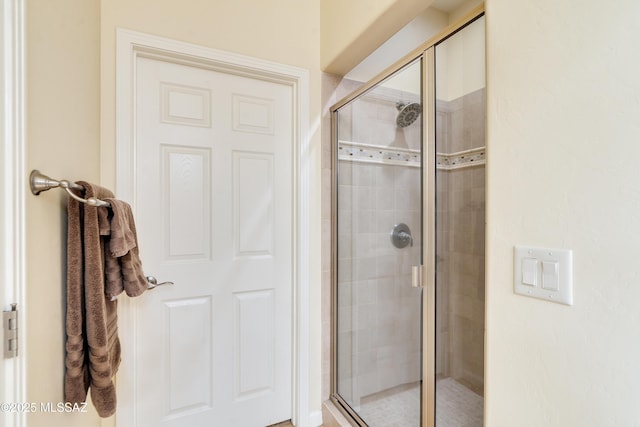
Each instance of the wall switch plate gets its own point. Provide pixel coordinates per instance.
(543, 273)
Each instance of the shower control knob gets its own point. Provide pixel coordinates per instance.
(405, 237)
(401, 236)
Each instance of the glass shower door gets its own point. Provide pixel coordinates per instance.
(379, 228)
(460, 218)
(410, 198)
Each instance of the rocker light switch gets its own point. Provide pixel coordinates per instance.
(550, 275)
(530, 271)
(543, 273)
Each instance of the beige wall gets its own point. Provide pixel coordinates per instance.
(563, 129)
(562, 138)
(63, 133)
(353, 29)
(71, 134)
(424, 26)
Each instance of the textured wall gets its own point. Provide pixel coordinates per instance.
(71, 134)
(63, 141)
(562, 133)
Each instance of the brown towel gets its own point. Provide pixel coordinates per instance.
(93, 348)
(123, 265)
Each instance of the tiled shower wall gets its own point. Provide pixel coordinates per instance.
(460, 240)
(460, 213)
(378, 310)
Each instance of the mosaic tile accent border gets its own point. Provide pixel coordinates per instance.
(367, 153)
(461, 159)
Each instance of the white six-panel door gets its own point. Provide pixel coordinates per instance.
(213, 162)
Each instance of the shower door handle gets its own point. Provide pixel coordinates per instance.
(416, 276)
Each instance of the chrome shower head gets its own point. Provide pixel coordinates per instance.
(408, 113)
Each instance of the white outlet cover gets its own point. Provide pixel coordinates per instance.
(564, 258)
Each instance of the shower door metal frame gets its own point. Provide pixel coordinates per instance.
(429, 241)
(426, 52)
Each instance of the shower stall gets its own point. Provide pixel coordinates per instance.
(408, 232)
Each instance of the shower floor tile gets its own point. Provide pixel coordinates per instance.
(456, 406)
(396, 407)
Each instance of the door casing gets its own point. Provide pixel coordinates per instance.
(130, 45)
(12, 196)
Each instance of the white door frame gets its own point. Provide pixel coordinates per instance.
(12, 197)
(130, 45)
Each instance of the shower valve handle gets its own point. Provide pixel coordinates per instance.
(401, 236)
(404, 236)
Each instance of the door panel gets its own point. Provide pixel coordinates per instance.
(214, 208)
(460, 206)
(411, 192)
(379, 240)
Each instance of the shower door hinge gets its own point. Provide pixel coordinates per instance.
(416, 276)
(10, 329)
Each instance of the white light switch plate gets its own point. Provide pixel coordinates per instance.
(523, 256)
